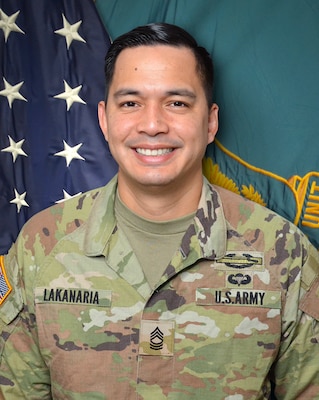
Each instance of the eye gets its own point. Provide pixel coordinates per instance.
(178, 103)
(129, 104)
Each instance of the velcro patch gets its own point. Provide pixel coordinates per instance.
(238, 297)
(237, 279)
(239, 260)
(98, 298)
(5, 287)
(157, 338)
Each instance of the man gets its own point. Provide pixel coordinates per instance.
(159, 286)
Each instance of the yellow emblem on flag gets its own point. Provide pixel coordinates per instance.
(5, 287)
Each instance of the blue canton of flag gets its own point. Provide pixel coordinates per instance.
(51, 79)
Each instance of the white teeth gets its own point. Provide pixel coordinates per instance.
(154, 152)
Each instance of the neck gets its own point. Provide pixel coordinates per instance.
(159, 203)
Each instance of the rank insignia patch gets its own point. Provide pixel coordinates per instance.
(5, 287)
(157, 338)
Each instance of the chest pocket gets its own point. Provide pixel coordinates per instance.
(66, 317)
(83, 329)
(240, 329)
(242, 314)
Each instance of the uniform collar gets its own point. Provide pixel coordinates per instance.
(209, 224)
(101, 222)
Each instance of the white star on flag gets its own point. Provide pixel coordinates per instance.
(70, 153)
(70, 95)
(67, 196)
(15, 149)
(12, 92)
(8, 25)
(70, 31)
(19, 200)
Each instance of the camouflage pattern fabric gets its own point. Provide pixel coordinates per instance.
(238, 304)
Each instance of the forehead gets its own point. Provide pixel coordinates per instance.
(155, 59)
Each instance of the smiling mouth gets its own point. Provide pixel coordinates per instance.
(153, 152)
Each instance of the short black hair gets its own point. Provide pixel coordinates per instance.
(162, 34)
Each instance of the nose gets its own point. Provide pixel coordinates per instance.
(152, 120)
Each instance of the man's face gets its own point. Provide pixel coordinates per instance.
(156, 119)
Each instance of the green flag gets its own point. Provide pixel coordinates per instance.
(266, 57)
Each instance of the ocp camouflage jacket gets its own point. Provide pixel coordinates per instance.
(236, 308)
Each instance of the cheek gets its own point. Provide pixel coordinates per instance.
(112, 130)
(119, 128)
(197, 134)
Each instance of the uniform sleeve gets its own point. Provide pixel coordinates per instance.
(23, 374)
(297, 368)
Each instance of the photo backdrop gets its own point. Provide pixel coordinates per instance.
(266, 57)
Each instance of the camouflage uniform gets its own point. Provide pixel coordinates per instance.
(238, 304)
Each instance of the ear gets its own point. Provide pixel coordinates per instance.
(102, 118)
(212, 122)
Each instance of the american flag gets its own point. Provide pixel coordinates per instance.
(51, 79)
(5, 287)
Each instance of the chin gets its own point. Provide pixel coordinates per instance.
(151, 181)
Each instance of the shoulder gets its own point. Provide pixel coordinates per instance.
(282, 242)
(49, 225)
(35, 244)
(264, 229)
(41, 234)
(229, 199)
(238, 209)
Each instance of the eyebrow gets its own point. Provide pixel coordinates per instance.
(182, 93)
(173, 92)
(125, 92)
